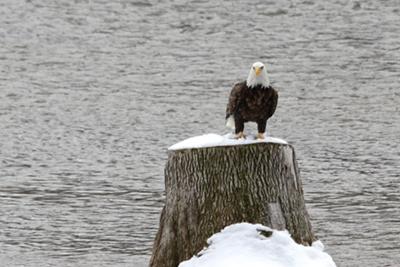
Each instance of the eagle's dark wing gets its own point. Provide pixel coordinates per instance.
(273, 101)
(235, 98)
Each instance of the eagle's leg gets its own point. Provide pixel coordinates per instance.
(239, 127)
(240, 135)
(261, 125)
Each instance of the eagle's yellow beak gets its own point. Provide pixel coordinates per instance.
(258, 71)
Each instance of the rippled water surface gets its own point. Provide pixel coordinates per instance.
(93, 92)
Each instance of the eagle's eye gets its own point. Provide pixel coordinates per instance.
(261, 67)
(254, 68)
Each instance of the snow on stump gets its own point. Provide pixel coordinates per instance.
(212, 182)
(255, 245)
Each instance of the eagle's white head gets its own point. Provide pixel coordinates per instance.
(258, 75)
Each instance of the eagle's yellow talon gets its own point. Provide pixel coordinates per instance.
(240, 136)
(260, 136)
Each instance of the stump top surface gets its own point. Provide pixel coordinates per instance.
(214, 140)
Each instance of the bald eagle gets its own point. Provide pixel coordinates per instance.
(251, 100)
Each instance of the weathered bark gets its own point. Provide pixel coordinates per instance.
(210, 188)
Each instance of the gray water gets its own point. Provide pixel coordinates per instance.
(92, 93)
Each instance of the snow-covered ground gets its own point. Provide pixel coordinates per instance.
(245, 245)
(210, 140)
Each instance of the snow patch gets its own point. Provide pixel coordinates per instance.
(251, 245)
(211, 140)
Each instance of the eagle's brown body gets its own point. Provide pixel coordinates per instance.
(255, 104)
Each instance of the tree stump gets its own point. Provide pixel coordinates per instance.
(213, 187)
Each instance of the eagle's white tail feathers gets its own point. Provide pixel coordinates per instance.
(230, 122)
